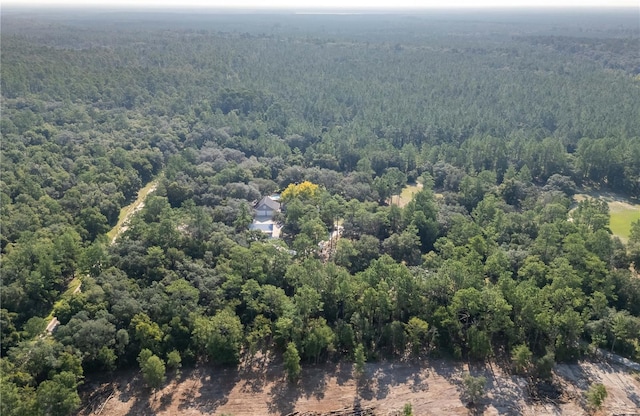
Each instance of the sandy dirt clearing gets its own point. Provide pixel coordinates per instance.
(431, 388)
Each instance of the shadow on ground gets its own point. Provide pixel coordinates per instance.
(215, 384)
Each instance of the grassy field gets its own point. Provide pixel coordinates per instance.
(406, 195)
(621, 219)
(622, 212)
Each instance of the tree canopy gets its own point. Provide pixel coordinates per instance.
(495, 125)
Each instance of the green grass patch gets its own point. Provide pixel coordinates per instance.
(621, 219)
(409, 191)
(406, 195)
(622, 212)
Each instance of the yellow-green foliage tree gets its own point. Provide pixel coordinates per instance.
(305, 190)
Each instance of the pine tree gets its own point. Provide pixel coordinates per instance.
(292, 362)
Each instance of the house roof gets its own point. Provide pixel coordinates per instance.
(270, 203)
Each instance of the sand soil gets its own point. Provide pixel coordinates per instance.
(432, 388)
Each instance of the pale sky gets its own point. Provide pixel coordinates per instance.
(331, 4)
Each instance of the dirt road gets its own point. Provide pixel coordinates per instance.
(129, 210)
(121, 226)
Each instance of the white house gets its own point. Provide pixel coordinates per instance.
(263, 221)
(267, 207)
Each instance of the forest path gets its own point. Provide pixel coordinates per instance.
(121, 226)
(132, 208)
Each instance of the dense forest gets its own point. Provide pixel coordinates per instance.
(501, 117)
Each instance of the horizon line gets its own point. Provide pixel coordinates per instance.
(133, 6)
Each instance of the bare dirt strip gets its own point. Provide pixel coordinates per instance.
(127, 212)
(432, 388)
